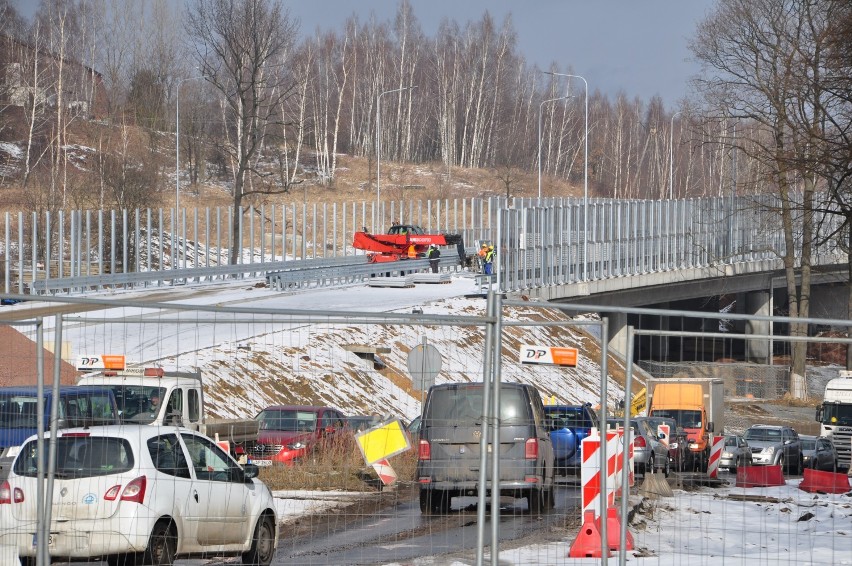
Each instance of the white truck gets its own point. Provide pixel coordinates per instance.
(153, 396)
(835, 417)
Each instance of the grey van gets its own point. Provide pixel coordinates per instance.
(449, 456)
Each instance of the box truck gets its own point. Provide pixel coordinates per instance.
(696, 404)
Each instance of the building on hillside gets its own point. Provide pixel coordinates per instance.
(30, 78)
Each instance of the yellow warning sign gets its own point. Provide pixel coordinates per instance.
(383, 441)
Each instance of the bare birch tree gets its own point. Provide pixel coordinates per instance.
(241, 49)
(755, 53)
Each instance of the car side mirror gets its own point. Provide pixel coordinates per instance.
(250, 471)
(711, 427)
(173, 418)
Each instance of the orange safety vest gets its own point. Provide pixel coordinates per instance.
(412, 252)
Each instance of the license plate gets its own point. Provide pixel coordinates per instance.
(51, 539)
(262, 463)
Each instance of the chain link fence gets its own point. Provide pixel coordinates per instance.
(758, 381)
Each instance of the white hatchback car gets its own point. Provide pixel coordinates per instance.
(140, 494)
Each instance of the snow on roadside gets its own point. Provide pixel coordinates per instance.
(718, 526)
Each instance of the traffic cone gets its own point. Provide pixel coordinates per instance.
(613, 530)
(587, 543)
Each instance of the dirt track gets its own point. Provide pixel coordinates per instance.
(739, 415)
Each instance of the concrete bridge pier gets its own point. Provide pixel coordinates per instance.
(617, 333)
(758, 303)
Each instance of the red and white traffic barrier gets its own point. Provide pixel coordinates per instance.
(590, 476)
(592, 480)
(717, 443)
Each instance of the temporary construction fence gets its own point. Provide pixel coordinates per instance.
(751, 380)
(257, 348)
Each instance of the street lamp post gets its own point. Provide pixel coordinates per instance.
(379, 140)
(585, 174)
(176, 227)
(539, 138)
(671, 155)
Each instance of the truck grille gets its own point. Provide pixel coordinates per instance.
(842, 440)
(266, 449)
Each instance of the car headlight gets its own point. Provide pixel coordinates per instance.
(727, 455)
(298, 445)
(693, 446)
(769, 450)
(673, 446)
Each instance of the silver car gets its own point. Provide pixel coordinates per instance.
(774, 445)
(649, 454)
(736, 453)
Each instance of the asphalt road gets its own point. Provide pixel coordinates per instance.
(400, 532)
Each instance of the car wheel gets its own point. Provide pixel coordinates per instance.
(28, 561)
(425, 501)
(800, 466)
(434, 502)
(162, 545)
(666, 468)
(650, 465)
(538, 500)
(442, 503)
(783, 463)
(121, 560)
(263, 544)
(551, 498)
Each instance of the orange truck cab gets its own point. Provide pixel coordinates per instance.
(696, 404)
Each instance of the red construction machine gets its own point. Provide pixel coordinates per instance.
(395, 245)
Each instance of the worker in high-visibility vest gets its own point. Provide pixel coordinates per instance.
(482, 251)
(489, 260)
(412, 252)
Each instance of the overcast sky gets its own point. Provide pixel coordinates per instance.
(636, 46)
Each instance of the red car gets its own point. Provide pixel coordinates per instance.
(289, 432)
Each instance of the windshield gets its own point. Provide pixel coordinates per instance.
(137, 403)
(685, 419)
(836, 414)
(567, 417)
(75, 409)
(763, 435)
(288, 420)
(80, 457)
(808, 444)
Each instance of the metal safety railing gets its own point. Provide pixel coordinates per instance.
(542, 242)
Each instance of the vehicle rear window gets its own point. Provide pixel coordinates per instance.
(288, 420)
(80, 457)
(809, 444)
(568, 417)
(453, 406)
